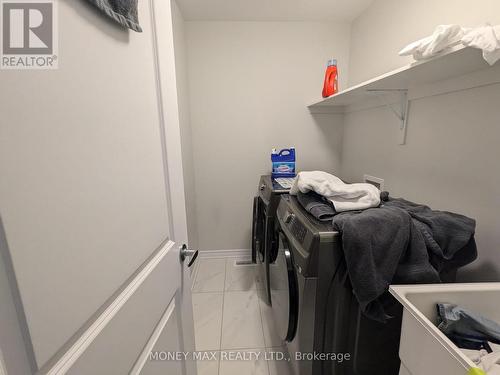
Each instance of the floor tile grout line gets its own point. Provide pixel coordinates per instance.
(214, 294)
(240, 291)
(225, 275)
(220, 292)
(198, 268)
(193, 286)
(209, 292)
(223, 292)
(195, 276)
(262, 327)
(250, 348)
(228, 291)
(222, 315)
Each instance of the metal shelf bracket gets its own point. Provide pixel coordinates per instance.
(401, 113)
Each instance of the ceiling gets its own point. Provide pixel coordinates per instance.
(272, 10)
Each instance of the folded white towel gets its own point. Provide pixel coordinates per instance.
(345, 197)
(443, 37)
(486, 38)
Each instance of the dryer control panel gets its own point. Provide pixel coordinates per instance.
(296, 227)
(306, 235)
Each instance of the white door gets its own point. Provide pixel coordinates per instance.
(92, 205)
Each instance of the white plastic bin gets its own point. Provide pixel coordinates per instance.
(424, 349)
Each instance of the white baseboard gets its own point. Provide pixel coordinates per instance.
(231, 253)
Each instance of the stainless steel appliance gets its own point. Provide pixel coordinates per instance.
(314, 307)
(264, 245)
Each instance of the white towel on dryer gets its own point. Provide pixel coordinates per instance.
(345, 197)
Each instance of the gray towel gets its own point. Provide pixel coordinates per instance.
(316, 205)
(402, 243)
(122, 11)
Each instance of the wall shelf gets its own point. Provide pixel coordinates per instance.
(450, 64)
(459, 61)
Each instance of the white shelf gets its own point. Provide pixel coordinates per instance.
(459, 61)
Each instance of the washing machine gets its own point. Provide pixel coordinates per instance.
(297, 299)
(264, 244)
(314, 308)
(313, 305)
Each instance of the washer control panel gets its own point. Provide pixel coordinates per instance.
(296, 227)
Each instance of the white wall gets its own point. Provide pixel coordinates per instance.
(382, 30)
(249, 84)
(178, 25)
(451, 157)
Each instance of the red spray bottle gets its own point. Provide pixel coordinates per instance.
(330, 86)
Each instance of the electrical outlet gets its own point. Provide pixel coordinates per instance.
(375, 181)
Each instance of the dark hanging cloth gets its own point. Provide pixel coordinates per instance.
(401, 242)
(122, 11)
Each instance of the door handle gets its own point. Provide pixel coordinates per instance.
(185, 253)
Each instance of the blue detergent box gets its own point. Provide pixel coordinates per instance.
(283, 163)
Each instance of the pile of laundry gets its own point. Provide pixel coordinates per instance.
(386, 240)
(485, 38)
(477, 336)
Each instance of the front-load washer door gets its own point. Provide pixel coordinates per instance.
(258, 230)
(255, 218)
(284, 291)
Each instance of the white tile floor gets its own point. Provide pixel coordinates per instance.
(230, 316)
